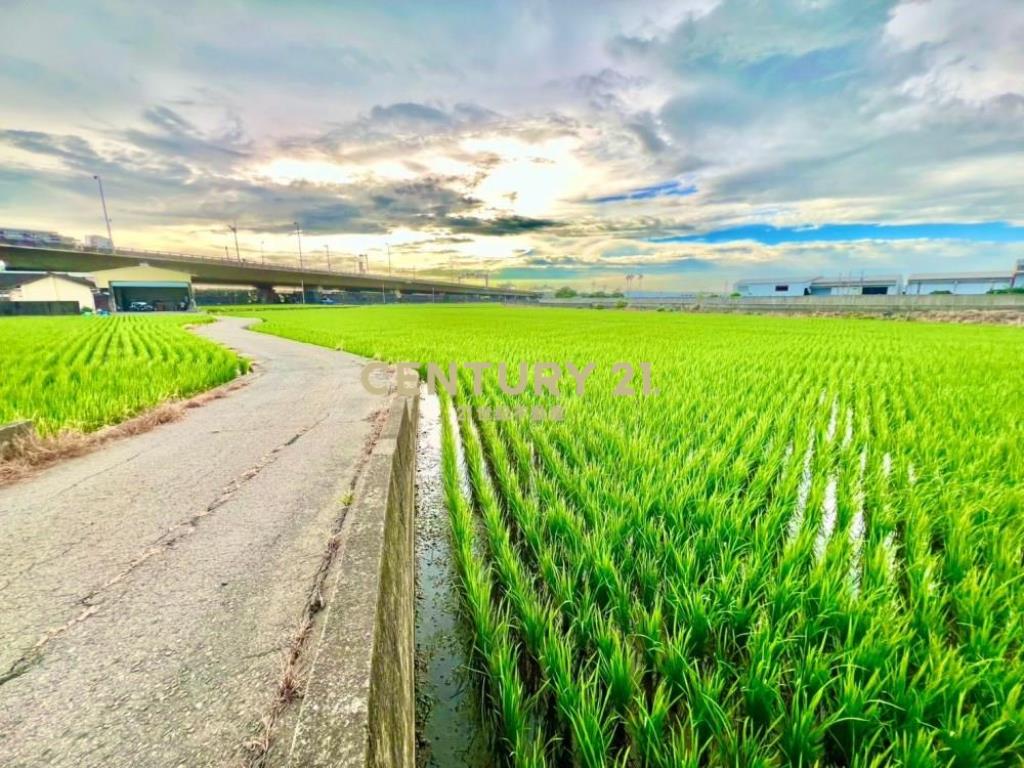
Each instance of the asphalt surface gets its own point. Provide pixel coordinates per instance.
(149, 590)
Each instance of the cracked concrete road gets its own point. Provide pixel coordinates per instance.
(148, 590)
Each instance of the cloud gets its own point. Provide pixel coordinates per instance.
(731, 130)
(408, 115)
(148, 172)
(169, 134)
(502, 225)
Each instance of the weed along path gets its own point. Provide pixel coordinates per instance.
(152, 592)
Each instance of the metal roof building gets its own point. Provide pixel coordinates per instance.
(866, 285)
(775, 286)
(963, 283)
(873, 285)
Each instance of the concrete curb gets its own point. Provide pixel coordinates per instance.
(358, 708)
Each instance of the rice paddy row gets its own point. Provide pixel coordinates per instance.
(806, 549)
(83, 373)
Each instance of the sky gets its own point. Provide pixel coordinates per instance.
(695, 142)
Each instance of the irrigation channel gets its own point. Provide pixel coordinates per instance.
(449, 728)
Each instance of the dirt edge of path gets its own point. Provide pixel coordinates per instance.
(31, 454)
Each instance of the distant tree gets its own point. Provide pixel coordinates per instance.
(565, 292)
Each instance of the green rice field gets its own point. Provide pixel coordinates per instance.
(86, 372)
(806, 549)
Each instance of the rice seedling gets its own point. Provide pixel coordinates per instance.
(83, 373)
(804, 550)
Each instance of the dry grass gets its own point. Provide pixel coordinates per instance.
(26, 456)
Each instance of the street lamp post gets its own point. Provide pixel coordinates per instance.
(234, 231)
(327, 248)
(106, 218)
(302, 268)
(263, 258)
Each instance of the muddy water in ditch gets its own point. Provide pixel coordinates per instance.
(449, 729)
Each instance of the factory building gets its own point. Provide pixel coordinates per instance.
(886, 285)
(964, 283)
(783, 286)
(961, 284)
(821, 286)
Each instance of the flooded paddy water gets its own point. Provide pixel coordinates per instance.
(448, 725)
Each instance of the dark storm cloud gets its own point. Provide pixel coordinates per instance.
(555, 261)
(147, 176)
(501, 225)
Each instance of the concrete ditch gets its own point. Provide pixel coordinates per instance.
(358, 708)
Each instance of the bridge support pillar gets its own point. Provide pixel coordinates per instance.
(267, 294)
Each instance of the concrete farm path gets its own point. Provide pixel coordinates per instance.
(149, 591)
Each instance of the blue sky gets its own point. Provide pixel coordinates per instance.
(985, 232)
(693, 141)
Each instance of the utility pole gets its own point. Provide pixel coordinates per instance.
(234, 231)
(302, 268)
(106, 218)
(388, 249)
(327, 248)
(263, 258)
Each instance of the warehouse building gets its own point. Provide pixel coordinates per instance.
(783, 286)
(962, 284)
(821, 286)
(46, 287)
(160, 289)
(885, 285)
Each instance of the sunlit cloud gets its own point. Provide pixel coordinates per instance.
(695, 140)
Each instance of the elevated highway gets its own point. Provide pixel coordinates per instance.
(217, 271)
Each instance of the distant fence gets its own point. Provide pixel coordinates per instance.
(8, 308)
(867, 304)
